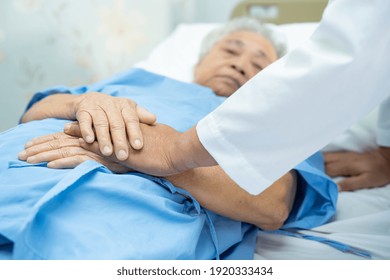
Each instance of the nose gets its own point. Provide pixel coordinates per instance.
(240, 64)
(238, 68)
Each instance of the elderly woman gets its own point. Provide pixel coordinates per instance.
(91, 212)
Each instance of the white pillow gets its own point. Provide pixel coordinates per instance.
(177, 55)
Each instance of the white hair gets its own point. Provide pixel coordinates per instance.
(268, 31)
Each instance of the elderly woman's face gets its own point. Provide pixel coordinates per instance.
(233, 61)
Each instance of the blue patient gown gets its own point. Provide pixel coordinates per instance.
(91, 213)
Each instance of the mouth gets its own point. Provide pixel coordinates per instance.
(230, 81)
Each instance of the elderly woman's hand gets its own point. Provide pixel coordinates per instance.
(161, 156)
(112, 121)
(60, 150)
(158, 157)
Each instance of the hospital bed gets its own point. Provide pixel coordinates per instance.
(362, 219)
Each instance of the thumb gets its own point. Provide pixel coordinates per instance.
(73, 129)
(145, 116)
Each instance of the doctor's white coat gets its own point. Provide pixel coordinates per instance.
(301, 102)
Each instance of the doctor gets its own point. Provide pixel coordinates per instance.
(292, 109)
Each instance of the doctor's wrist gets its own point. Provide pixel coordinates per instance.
(188, 152)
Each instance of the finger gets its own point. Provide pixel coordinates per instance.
(52, 145)
(342, 164)
(68, 162)
(72, 162)
(52, 155)
(330, 157)
(93, 147)
(85, 122)
(145, 116)
(60, 141)
(73, 129)
(118, 132)
(102, 130)
(132, 127)
(43, 139)
(354, 183)
(342, 168)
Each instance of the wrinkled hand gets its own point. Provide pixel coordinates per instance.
(63, 151)
(112, 121)
(157, 157)
(160, 156)
(362, 170)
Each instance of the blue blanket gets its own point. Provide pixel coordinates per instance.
(90, 213)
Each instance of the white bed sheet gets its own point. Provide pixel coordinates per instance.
(362, 219)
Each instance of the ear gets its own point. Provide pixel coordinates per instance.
(196, 69)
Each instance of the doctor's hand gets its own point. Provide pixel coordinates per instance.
(160, 155)
(165, 152)
(112, 121)
(362, 170)
(60, 151)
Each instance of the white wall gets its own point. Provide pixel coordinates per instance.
(209, 10)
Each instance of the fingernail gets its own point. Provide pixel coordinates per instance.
(89, 139)
(28, 144)
(30, 159)
(106, 151)
(67, 126)
(122, 155)
(137, 144)
(51, 165)
(22, 155)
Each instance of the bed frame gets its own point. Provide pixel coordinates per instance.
(281, 11)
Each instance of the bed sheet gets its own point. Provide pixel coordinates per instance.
(362, 218)
(362, 221)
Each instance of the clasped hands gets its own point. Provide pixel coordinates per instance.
(109, 130)
(67, 150)
(113, 131)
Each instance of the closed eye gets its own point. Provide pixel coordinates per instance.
(257, 66)
(231, 51)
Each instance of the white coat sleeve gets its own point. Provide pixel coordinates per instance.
(301, 102)
(383, 138)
